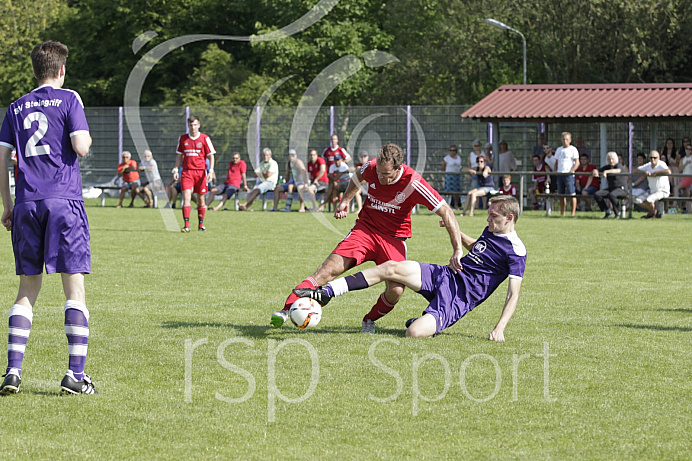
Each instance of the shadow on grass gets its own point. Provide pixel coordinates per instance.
(258, 331)
(655, 327)
(682, 310)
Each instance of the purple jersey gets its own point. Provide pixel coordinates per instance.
(39, 125)
(492, 259)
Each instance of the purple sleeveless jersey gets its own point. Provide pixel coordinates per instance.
(39, 126)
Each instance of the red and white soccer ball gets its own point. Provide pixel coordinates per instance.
(305, 313)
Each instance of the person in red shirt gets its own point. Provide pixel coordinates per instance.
(586, 185)
(193, 150)
(334, 149)
(507, 188)
(128, 171)
(382, 227)
(236, 179)
(318, 181)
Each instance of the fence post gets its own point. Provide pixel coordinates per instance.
(331, 124)
(408, 135)
(258, 131)
(187, 117)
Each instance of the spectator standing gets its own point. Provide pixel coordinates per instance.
(567, 162)
(586, 185)
(267, 177)
(48, 220)
(685, 142)
(333, 150)
(670, 150)
(538, 148)
(194, 149)
(452, 164)
(582, 148)
(152, 179)
(236, 179)
(127, 170)
(617, 186)
(659, 186)
(505, 159)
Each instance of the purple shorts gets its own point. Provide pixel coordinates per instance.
(446, 293)
(54, 232)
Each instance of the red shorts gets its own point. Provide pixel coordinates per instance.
(195, 180)
(540, 187)
(363, 245)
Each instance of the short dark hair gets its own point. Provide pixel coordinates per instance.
(390, 153)
(47, 58)
(193, 118)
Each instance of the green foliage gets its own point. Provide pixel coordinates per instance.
(447, 53)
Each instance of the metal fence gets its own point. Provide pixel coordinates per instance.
(424, 132)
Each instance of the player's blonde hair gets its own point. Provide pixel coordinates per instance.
(390, 153)
(507, 205)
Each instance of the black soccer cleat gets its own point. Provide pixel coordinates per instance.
(410, 321)
(318, 294)
(69, 385)
(10, 385)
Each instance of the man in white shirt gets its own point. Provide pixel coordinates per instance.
(567, 162)
(659, 185)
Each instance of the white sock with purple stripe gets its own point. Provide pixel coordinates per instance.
(20, 327)
(77, 331)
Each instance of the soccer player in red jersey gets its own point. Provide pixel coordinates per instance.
(382, 227)
(334, 149)
(193, 150)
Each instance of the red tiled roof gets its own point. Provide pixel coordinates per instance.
(585, 103)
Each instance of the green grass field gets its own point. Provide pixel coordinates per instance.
(608, 300)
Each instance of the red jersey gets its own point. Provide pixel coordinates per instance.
(235, 173)
(511, 190)
(129, 176)
(387, 209)
(539, 178)
(195, 151)
(329, 154)
(314, 170)
(584, 179)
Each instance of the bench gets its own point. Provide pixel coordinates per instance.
(105, 188)
(549, 203)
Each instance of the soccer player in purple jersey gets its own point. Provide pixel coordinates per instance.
(49, 225)
(494, 256)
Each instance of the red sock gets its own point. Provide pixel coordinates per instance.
(307, 283)
(200, 215)
(186, 213)
(381, 308)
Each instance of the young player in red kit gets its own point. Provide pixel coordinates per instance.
(381, 229)
(193, 150)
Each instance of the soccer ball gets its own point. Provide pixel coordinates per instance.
(305, 313)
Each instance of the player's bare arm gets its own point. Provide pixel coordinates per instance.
(178, 161)
(466, 240)
(8, 206)
(341, 210)
(498, 333)
(81, 144)
(450, 223)
(210, 173)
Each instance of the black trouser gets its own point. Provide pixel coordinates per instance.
(612, 195)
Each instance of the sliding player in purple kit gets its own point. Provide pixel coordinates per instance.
(49, 225)
(494, 256)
